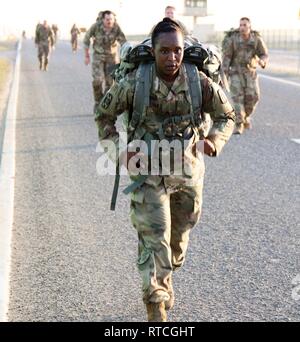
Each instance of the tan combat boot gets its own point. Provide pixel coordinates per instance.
(156, 312)
(247, 124)
(170, 303)
(239, 129)
(46, 65)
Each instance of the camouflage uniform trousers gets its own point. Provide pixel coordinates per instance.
(43, 53)
(74, 43)
(163, 218)
(102, 80)
(245, 93)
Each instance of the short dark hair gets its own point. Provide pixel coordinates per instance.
(170, 7)
(166, 25)
(246, 18)
(107, 12)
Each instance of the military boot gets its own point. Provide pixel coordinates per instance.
(46, 65)
(156, 312)
(239, 129)
(170, 303)
(247, 124)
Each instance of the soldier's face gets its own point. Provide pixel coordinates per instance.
(245, 27)
(168, 54)
(109, 20)
(170, 13)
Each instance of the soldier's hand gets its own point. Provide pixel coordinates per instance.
(262, 63)
(87, 60)
(209, 148)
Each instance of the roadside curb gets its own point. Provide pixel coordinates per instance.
(7, 184)
(4, 98)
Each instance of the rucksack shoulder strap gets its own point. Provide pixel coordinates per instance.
(194, 87)
(142, 91)
(141, 94)
(257, 36)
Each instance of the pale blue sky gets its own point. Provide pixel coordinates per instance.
(137, 16)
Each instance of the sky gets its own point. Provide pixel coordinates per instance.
(138, 16)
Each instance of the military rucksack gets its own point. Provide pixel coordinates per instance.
(206, 59)
(196, 58)
(228, 35)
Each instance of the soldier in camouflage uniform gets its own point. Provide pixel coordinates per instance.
(164, 208)
(243, 50)
(44, 40)
(55, 33)
(170, 12)
(106, 33)
(74, 37)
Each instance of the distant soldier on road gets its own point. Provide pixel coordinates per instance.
(74, 37)
(243, 50)
(44, 40)
(38, 26)
(170, 12)
(55, 32)
(105, 33)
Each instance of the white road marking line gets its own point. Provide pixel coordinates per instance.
(285, 82)
(295, 84)
(7, 186)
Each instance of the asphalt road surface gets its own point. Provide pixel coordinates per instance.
(74, 260)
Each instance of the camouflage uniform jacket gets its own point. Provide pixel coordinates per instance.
(165, 103)
(238, 53)
(104, 44)
(54, 29)
(75, 32)
(44, 35)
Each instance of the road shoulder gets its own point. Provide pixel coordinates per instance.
(7, 179)
(7, 50)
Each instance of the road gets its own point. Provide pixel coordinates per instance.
(74, 260)
(284, 63)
